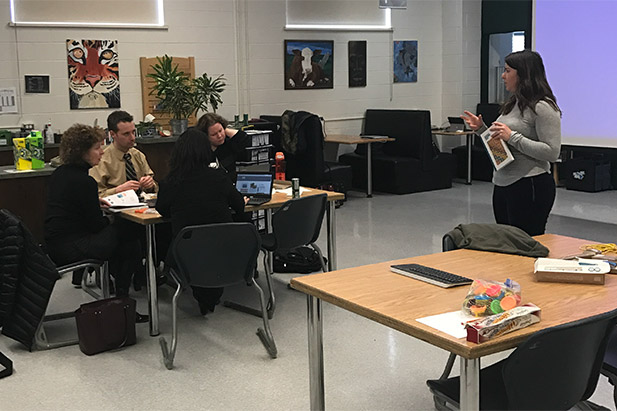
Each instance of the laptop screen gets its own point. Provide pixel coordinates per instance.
(251, 184)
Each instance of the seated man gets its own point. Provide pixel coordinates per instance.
(122, 166)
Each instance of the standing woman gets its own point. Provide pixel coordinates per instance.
(530, 123)
(196, 191)
(75, 227)
(228, 144)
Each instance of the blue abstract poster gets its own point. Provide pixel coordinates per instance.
(405, 61)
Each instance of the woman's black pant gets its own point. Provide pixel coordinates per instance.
(526, 203)
(117, 243)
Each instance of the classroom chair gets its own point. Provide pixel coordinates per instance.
(297, 223)
(28, 277)
(554, 369)
(609, 367)
(213, 256)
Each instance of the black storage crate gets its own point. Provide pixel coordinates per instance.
(588, 175)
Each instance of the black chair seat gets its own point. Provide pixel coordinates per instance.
(492, 392)
(554, 369)
(268, 242)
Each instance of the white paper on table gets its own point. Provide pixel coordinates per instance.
(287, 191)
(11, 170)
(451, 323)
(126, 198)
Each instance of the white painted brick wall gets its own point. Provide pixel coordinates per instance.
(448, 34)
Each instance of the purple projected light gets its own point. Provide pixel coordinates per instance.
(576, 40)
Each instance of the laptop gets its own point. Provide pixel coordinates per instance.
(256, 186)
(457, 124)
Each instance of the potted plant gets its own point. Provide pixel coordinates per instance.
(180, 96)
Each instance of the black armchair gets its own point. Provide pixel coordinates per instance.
(411, 163)
(305, 155)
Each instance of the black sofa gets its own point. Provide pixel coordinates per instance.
(410, 164)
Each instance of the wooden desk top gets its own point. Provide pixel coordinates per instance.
(278, 199)
(346, 139)
(451, 133)
(374, 292)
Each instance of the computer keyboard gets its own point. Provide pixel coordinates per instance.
(430, 275)
(257, 200)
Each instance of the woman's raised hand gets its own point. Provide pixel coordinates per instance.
(474, 122)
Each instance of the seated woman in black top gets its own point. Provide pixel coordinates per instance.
(197, 192)
(75, 227)
(227, 144)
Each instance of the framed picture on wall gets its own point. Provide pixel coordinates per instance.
(309, 64)
(357, 63)
(405, 61)
(94, 81)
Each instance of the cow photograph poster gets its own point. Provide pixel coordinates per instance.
(309, 64)
(405, 61)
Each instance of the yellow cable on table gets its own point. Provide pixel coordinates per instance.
(601, 248)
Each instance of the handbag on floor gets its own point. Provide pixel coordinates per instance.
(106, 324)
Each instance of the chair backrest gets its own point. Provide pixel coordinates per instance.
(447, 243)
(216, 255)
(490, 112)
(610, 357)
(27, 279)
(307, 163)
(559, 366)
(410, 128)
(298, 221)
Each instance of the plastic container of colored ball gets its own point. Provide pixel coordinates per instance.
(487, 297)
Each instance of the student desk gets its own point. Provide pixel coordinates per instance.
(469, 135)
(278, 199)
(395, 301)
(345, 139)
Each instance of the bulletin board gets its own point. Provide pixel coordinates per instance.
(185, 64)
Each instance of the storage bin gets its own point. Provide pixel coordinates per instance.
(588, 175)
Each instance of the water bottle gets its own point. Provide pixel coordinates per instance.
(48, 133)
(279, 161)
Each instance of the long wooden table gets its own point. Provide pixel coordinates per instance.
(346, 139)
(395, 301)
(278, 199)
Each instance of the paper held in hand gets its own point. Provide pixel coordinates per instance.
(126, 198)
(497, 150)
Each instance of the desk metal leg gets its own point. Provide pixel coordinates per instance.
(470, 384)
(315, 350)
(369, 171)
(270, 258)
(153, 301)
(331, 225)
(469, 146)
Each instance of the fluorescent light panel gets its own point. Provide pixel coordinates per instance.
(136, 13)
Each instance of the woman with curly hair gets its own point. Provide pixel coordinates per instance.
(75, 227)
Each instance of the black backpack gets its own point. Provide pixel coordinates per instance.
(302, 260)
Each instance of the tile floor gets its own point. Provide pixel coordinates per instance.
(220, 363)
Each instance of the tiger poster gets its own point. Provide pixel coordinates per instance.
(94, 81)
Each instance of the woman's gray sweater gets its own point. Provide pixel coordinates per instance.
(535, 142)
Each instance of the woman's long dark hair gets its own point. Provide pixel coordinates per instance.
(532, 84)
(192, 152)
